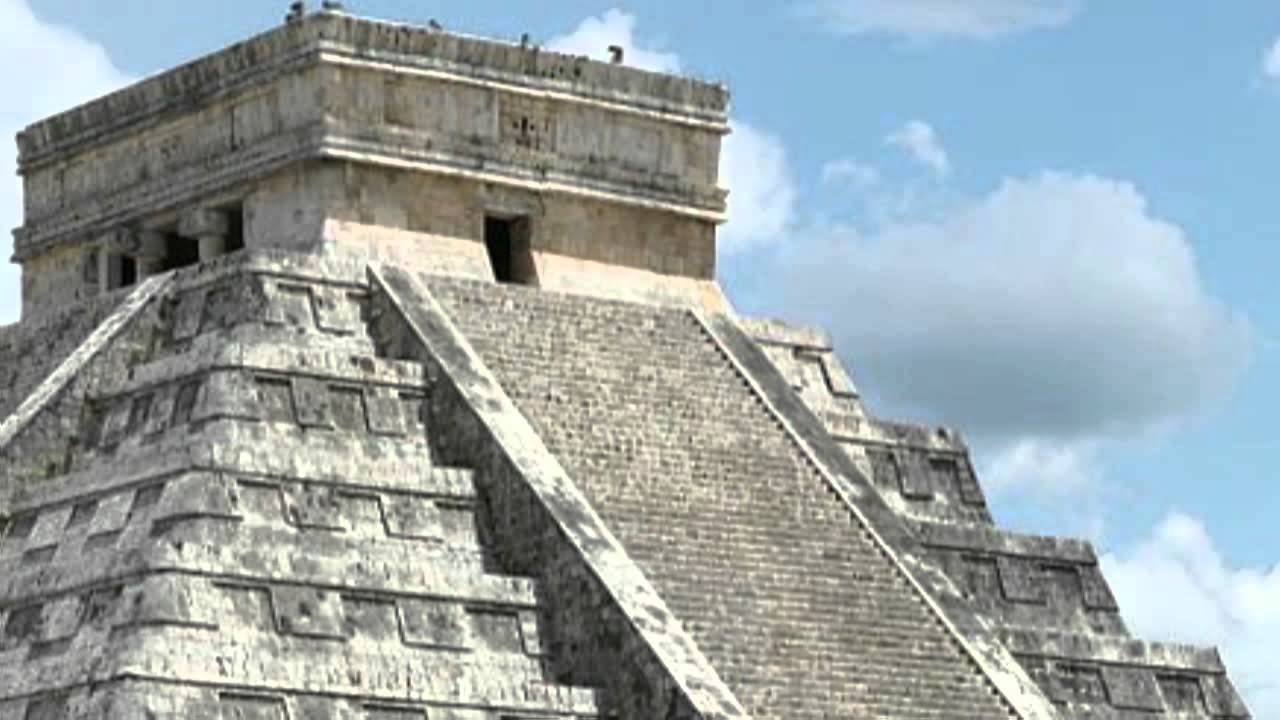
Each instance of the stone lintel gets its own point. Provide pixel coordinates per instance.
(202, 222)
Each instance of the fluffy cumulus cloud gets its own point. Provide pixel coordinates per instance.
(927, 19)
(59, 69)
(1177, 585)
(919, 140)
(1271, 61)
(1058, 307)
(762, 196)
(753, 163)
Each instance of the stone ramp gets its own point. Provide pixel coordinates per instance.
(801, 612)
(31, 350)
(611, 628)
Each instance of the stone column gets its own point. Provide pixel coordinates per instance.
(209, 228)
(150, 253)
(104, 263)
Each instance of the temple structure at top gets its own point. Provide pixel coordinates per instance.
(441, 151)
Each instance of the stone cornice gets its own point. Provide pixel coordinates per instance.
(415, 49)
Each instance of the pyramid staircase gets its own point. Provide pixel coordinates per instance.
(794, 602)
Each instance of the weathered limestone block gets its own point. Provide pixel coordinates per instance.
(173, 599)
(311, 506)
(227, 394)
(437, 624)
(413, 517)
(308, 612)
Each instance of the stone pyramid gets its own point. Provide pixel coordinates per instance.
(373, 371)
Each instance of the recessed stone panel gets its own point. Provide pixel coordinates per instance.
(370, 618)
(313, 403)
(336, 311)
(312, 506)
(308, 612)
(1018, 581)
(497, 630)
(275, 399)
(1182, 693)
(248, 607)
(174, 599)
(386, 413)
(348, 408)
(436, 623)
(252, 707)
(1132, 688)
(187, 315)
(411, 516)
(289, 305)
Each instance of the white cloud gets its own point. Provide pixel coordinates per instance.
(595, 35)
(926, 19)
(1057, 467)
(1271, 62)
(753, 163)
(59, 69)
(1056, 308)
(850, 172)
(919, 140)
(1176, 585)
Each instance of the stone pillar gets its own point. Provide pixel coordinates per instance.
(209, 228)
(104, 264)
(150, 253)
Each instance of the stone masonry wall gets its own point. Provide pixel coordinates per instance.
(436, 222)
(242, 519)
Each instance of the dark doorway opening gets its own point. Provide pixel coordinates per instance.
(507, 241)
(235, 228)
(179, 252)
(128, 271)
(122, 271)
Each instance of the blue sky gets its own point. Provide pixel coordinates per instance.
(1048, 223)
